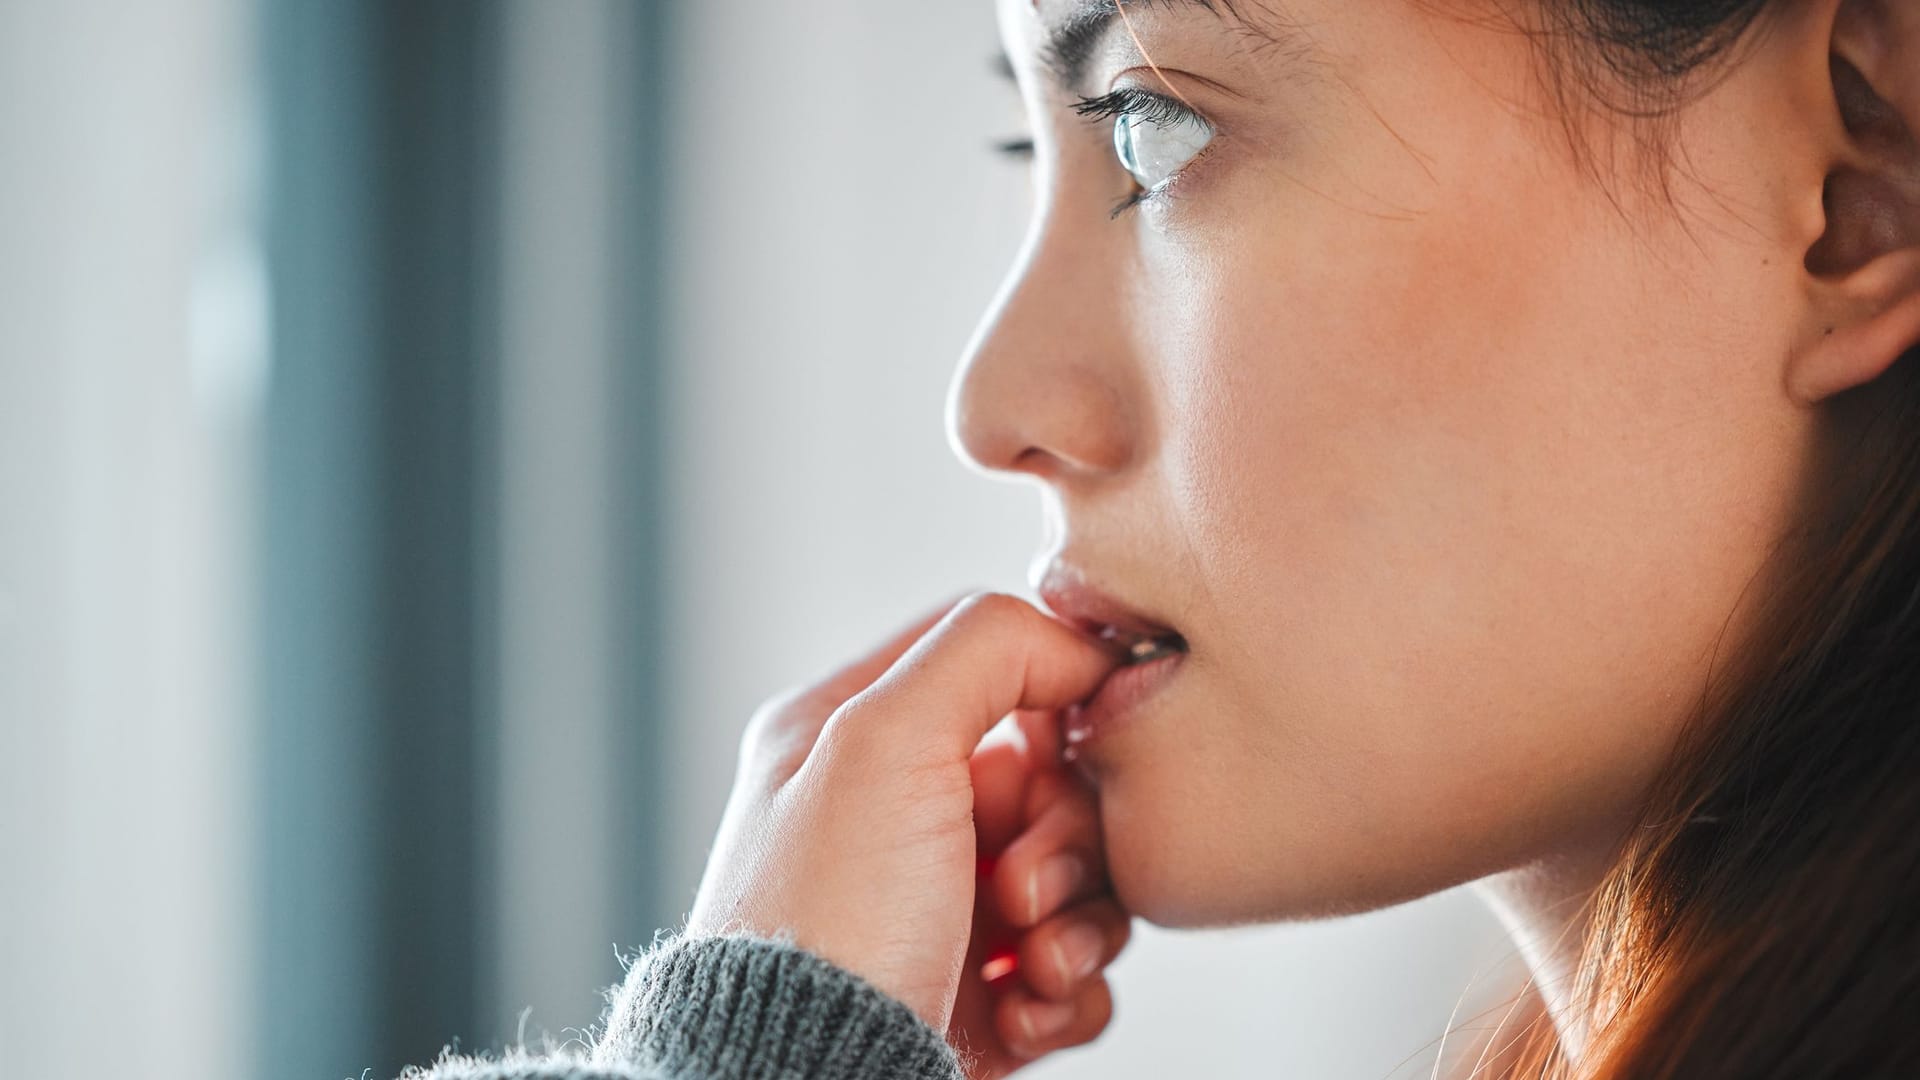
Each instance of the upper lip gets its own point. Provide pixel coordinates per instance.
(1069, 594)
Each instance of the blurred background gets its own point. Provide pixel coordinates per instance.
(427, 429)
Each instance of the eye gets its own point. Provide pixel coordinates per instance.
(1154, 136)
(1153, 150)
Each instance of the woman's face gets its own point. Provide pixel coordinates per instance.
(1448, 461)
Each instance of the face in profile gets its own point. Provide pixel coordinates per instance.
(1445, 448)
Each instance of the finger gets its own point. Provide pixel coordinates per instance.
(1058, 955)
(790, 722)
(860, 673)
(1000, 773)
(1040, 728)
(1059, 859)
(1047, 786)
(1013, 779)
(1032, 1027)
(992, 654)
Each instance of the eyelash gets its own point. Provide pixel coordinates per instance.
(1146, 104)
(1157, 108)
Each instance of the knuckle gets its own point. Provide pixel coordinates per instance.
(859, 714)
(989, 608)
(856, 735)
(783, 726)
(774, 715)
(866, 738)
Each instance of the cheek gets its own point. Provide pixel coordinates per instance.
(1467, 530)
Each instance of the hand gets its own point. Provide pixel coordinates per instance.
(1043, 934)
(851, 824)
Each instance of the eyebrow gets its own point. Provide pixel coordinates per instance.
(1070, 46)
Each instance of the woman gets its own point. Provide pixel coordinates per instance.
(1485, 446)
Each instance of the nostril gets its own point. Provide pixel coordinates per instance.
(1041, 409)
(1032, 460)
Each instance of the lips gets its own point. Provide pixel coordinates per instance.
(1139, 638)
(1150, 652)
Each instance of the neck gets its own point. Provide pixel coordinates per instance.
(1545, 908)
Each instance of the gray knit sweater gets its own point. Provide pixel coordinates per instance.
(733, 1007)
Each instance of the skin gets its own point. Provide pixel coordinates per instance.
(1451, 452)
(1450, 459)
(874, 822)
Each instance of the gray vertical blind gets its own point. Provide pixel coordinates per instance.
(382, 781)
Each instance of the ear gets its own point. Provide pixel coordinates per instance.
(1864, 271)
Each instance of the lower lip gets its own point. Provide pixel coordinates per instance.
(1121, 694)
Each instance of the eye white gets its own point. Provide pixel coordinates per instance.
(1153, 150)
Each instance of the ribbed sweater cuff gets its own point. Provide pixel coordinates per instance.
(743, 1007)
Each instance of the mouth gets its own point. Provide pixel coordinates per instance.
(1141, 648)
(1148, 649)
(1136, 636)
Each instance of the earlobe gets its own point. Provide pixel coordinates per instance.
(1863, 334)
(1864, 270)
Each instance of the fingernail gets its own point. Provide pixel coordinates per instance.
(1052, 883)
(1045, 1018)
(1077, 950)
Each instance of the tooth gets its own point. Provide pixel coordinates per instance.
(1144, 648)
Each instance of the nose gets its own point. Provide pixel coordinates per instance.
(1043, 386)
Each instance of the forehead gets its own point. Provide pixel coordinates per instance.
(1053, 44)
(1251, 11)
(1051, 29)
(1258, 16)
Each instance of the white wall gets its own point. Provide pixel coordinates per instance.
(839, 227)
(130, 333)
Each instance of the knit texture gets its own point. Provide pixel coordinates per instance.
(733, 1007)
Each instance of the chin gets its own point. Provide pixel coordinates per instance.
(1172, 877)
(1221, 874)
(1165, 893)
(1150, 893)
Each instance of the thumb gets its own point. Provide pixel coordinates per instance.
(991, 654)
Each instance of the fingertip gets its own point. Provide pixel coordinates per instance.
(1030, 887)
(1033, 1028)
(1058, 859)
(1026, 1022)
(1058, 956)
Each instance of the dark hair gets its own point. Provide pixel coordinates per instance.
(1639, 60)
(1762, 919)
